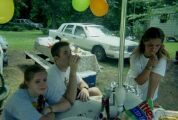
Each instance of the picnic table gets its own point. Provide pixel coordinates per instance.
(90, 110)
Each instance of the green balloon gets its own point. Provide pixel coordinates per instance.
(80, 5)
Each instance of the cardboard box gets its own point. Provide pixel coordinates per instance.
(89, 77)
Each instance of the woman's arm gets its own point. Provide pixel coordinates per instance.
(145, 74)
(153, 84)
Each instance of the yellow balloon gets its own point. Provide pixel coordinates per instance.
(99, 7)
(6, 10)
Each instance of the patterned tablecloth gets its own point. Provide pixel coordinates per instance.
(88, 62)
(162, 114)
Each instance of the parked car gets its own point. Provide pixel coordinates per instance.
(95, 38)
(27, 23)
(4, 47)
(4, 89)
(171, 39)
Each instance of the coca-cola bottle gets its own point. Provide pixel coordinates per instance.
(104, 114)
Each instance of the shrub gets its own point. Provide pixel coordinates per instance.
(45, 31)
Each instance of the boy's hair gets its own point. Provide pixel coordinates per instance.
(57, 46)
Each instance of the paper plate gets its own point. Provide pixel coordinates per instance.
(162, 114)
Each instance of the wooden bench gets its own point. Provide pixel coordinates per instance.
(38, 58)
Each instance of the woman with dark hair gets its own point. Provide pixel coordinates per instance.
(148, 64)
(28, 102)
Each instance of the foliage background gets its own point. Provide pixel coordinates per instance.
(54, 12)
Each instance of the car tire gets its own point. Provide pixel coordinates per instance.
(99, 52)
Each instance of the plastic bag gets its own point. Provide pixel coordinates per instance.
(141, 112)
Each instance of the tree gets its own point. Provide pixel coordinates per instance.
(52, 13)
(22, 8)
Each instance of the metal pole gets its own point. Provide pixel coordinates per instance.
(122, 43)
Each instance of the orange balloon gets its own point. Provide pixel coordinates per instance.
(99, 7)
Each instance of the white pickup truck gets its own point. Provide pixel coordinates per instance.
(95, 38)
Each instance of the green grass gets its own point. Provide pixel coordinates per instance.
(172, 47)
(21, 40)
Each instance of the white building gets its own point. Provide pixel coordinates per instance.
(167, 19)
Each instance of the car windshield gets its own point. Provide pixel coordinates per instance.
(96, 31)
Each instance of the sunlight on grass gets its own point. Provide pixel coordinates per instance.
(172, 47)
